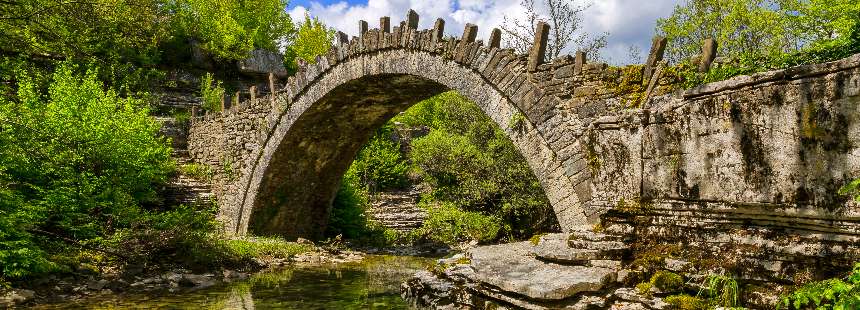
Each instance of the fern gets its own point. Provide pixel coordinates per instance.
(852, 188)
(835, 294)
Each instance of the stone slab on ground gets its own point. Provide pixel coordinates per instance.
(512, 268)
(556, 248)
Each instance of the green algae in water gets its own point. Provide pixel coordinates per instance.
(371, 284)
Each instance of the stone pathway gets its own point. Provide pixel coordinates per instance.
(397, 210)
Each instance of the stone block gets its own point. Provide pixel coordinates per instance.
(495, 38)
(538, 50)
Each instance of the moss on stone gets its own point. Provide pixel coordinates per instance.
(535, 240)
(667, 281)
(686, 302)
(644, 288)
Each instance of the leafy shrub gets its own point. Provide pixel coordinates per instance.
(231, 29)
(852, 188)
(450, 225)
(471, 163)
(748, 63)
(379, 165)
(76, 164)
(313, 38)
(212, 92)
(837, 294)
(347, 215)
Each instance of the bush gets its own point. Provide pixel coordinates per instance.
(450, 225)
(76, 165)
(471, 163)
(748, 63)
(212, 93)
(837, 294)
(379, 165)
(852, 188)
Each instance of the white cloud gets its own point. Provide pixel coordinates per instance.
(628, 22)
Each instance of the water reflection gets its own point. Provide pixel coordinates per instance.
(371, 284)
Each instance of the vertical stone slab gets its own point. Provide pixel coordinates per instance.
(538, 51)
(495, 38)
(578, 62)
(412, 20)
(470, 33)
(658, 48)
(195, 112)
(272, 83)
(385, 24)
(236, 100)
(709, 52)
(253, 91)
(438, 31)
(224, 103)
(362, 27)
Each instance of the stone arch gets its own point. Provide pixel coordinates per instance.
(292, 147)
(291, 185)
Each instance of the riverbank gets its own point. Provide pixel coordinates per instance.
(86, 283)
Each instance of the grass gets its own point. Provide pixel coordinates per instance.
(196, 171)
(722, 289)
(266, 248)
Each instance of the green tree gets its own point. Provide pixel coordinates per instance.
(231, 29)
(756, 28)
(471, 163)
(312, 39)
(77, 162)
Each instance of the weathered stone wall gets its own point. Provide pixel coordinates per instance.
(747, 170)
(754, 160)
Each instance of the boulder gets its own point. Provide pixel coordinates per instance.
(262, 61)
(511, 268)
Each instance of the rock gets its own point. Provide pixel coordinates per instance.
(511, 268)
(425, 290)
(554, 247)
(262, 61)
(97, 285)
(603, 263)
(234, 275)
(677, 265)
(631, 295)
(621, 305)
(196, 281)
(304, 241)
(589, 302)
(14, 297)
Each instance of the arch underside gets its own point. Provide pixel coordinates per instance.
(297, 173)
(303, 176)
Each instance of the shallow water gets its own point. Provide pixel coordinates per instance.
(371, 284)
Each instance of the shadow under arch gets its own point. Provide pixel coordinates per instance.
(290, 187)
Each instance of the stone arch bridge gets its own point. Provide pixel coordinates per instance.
(762, 154)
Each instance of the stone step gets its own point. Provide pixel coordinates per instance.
(587, 235)
(512, 268)
(555, 248)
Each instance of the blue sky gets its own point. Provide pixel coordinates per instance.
(628, 22)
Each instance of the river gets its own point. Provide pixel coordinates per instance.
(373, 283)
